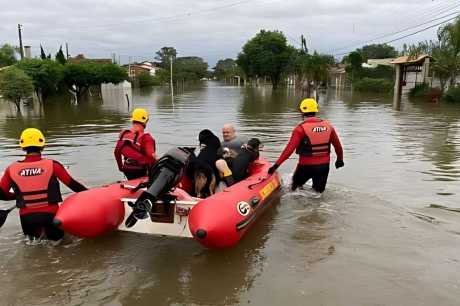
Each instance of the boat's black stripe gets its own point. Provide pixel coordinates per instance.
(246, 222)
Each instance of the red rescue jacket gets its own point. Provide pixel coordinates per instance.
(312, 139)
(130, 152)
(317, 140)
(35, 184)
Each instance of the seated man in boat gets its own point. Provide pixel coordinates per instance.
(234, 169)
(231, 140)
(36, 187)
(135, 149)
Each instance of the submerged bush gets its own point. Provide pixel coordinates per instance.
(452, 95)
(420, 90)
(380, 72)
(373, 85)
(145, 79)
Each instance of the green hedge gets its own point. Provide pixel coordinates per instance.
(452, 95)
(373, 85)
(380, 72)
(145, 79)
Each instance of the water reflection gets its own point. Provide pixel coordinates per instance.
(409, 157)
(128, 269)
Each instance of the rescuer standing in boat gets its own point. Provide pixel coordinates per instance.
(312, 140)
(36, 187)
(135, 149)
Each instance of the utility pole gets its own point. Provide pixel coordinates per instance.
(172, 85)
(67, 50)
(20, 41)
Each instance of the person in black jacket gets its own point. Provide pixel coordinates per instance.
(233, 169)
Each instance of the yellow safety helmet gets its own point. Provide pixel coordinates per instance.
(32, 137)
(308, 106)
(140, 115)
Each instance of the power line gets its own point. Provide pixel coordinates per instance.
(172, 17)
(408, 35)
(402, 30)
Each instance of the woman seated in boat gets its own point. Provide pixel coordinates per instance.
(233, 169)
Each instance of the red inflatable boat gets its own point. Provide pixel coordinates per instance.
(217, 221)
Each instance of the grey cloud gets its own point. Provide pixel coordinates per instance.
(138, 28)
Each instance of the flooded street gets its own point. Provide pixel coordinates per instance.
(384, 233)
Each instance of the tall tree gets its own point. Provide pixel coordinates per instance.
(42, 53)
(266, 54)
(226, 68)
(15, 85)
(7, 57)
(60, 57)
(164, 55)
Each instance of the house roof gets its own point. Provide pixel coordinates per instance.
(409, 59)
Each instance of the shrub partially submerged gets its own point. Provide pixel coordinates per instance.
(373, 85)
(452, 95)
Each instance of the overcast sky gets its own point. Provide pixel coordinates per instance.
(212, 29)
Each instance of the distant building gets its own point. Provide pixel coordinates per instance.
(413, 70)
(80, 58)
(337, 75)
(136, 69)
(27, 52)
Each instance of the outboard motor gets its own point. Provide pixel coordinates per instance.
(165, 175)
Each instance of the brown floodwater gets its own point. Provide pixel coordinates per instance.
(385, 232)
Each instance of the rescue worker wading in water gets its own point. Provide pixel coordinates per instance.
(36, 187)
(312, 140)
(135, 149)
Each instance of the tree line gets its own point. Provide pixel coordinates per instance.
(46, 76)
(269, 56)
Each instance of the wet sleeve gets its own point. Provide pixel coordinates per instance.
(296, 138)
(148, 146)
(5, 185)
(64, 176)
(335, 140)
(117, 154)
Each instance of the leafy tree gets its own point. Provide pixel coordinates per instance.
(449, 41)
(377, 51)
(15, 85)
(110, 73)
(190, 68)
(226, 68)
(144, 79)
(310, 69)
(7, 57)
(46, 75)
(356, 61)
(164, 56)
(266, 54)
(79, 77)
(60, 57)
